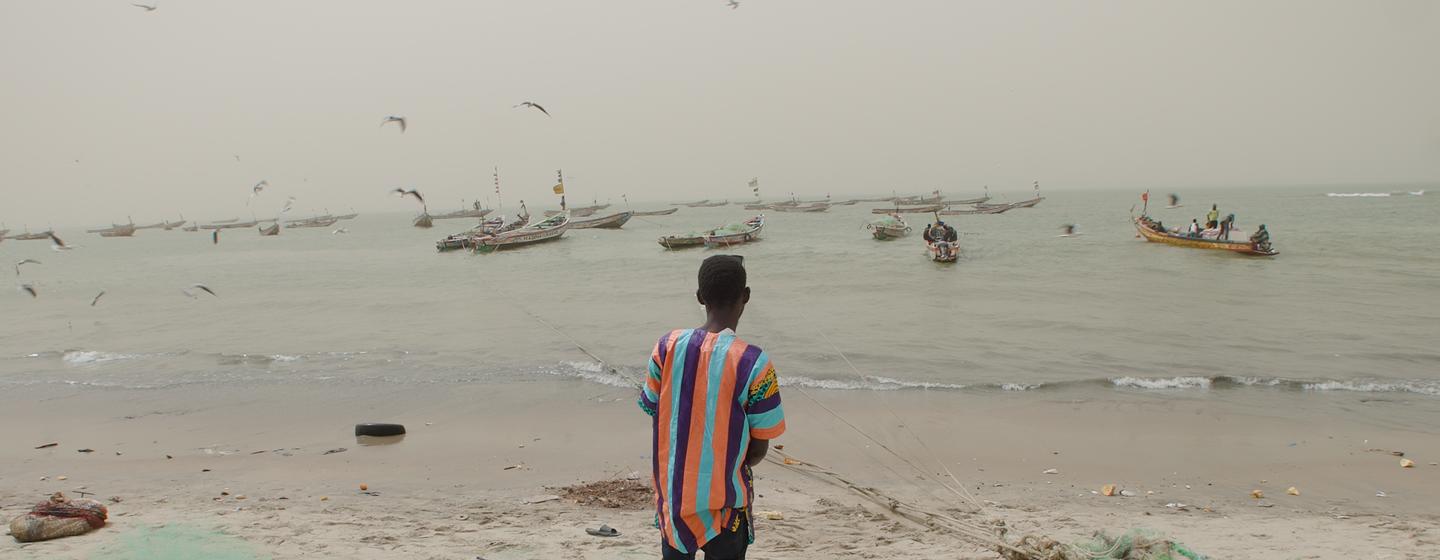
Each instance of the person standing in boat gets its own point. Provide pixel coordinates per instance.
(1212, 219)
(1261, 239)
(714, 404)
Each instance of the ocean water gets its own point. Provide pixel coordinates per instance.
(1349, 306)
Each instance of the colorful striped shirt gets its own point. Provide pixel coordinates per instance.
(709, 394)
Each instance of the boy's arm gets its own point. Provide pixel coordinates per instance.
(756, 452)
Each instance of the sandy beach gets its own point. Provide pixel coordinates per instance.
(273, 471)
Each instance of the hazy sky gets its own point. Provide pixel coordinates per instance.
(686, 99)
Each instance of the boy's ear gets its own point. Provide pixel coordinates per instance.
(746, 299)
(699, 298)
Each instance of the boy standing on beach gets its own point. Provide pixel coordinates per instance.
(715, 405)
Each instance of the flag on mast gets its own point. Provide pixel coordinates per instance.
(560, 187)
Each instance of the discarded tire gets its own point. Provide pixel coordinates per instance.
(379, 430)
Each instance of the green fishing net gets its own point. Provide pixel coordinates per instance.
(1135, 544)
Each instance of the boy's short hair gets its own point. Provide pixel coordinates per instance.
(722, 280)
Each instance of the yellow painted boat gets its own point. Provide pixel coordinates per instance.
(1156, 236)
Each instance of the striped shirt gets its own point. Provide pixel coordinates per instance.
(709, 394)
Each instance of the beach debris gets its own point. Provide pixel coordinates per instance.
(1381, 494)
(462, 517)
(790, 461)
(58, 517)
(780, 447)
(603, 531)
(1293, 491)
(240, 497)
(380, 430)
(47, 446)
(62, 477)
(1050, 471)
(334, 451)
(1109, 490)
(1135, 544)
(771, 515)
(1264, 504)
(613, 493)
(1379, 450)
(364, 487)
(225, 492)
(1257, 494)
(540, 499)
(324, 498)
(86, 450)
(1178, 506)
(1128, 493)
(1407, 464)
(519, 466)
(115, 499)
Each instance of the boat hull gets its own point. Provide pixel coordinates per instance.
(887, 233)
(423, 221)
(545, 231)
(939, 254)
(658, 212)
(1241, 247)
(909, 210)
(614, 221)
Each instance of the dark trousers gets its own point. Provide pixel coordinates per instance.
(728, 545)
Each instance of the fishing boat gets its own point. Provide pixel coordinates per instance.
(313, 222)
(909, 209)
(978, 200)
(1153, 232)
(549, 229)
(613, 221)
(234, 225)
(696, 239)
(729, 235)
(476, 212)
(191, 227)
(846, 203)
(272, 229)
(934, 198)
(423, 220)
(666, 212)
(995, 209)
(27, 236)
(118, 231)
(492, 226)
(585, 212)
(820, 207)
(349, 216)
(943, 251)
(888, 227)
(708, 204)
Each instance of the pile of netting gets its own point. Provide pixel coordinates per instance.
(1136, 544)
(58, 517)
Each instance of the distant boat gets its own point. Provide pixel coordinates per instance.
(349, 216)
(708, 204)
(658, 212)
(234, 225)
(696, 239)
(819, 207)
(229, 221)
(995, 209)
(423, 220)
(272, 229)
(549, 229)
(691, 204)
(313, 222)
(614, 221)
(846, 203)
(493, 226)
(980, 200)
(119, 231)
(889, 227)
(27, 236)
(909, 210)
(575, 213)
(463, 213)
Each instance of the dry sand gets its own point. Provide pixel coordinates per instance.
(445, 491)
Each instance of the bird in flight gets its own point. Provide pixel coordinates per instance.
(258, 187)
(58, 245)
(149, 8)
(395, 119)
(23, 263)
(402, 193)
(97, 298)
(733, 4)
(288, 203)
(26, 288)
(532, 104)
(340, 231)
(201, 287)
(237, 158)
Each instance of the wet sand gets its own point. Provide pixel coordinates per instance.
(445, 490)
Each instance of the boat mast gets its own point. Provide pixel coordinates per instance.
(500, 201)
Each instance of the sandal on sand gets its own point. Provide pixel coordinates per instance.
(604, 531)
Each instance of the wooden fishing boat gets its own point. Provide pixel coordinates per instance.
(997, 209)
(889, 227)
(943, 251)
(493, 226)
(726, 237)
(549, 229)
(760, 206)
(423, 220)
(574, 213)
(118, 231)
(933, 199)
(349, 216)
(980, 200)
(708, 204)
(613, 221)
(909, 209)
(688, 240)
(27, 236)
(272, 229)
(317, 221)
(235, 225)
(666, 212)
(820, 207)
(463, 213)
(846, 203)
(1146, 228)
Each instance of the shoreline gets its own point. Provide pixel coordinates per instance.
(269, 441)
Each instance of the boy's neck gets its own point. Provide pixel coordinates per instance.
(717, 322)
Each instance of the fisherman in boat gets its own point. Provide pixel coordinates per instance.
(941, 232)
(1194, 229)
(1260, 240)
(1212, 219)
(1227, 225)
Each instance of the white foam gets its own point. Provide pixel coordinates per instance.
(86, 357)
(1163, 383)
(1021, 386)
(1257, 381)
(1423, 388)
(593, 372)
(285, 358)
(1358, 194)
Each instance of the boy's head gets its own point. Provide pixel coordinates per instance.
(722, 283)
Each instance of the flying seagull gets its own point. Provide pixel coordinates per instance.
(23, 263)
(149, 8)
(288, 202)
(402, 193)
(733, 4)
(339, 231)
(26, 288)
(57, 244)
(203, 287)
(258, 187)
(97, 298)
(532, 104)
(395, 119)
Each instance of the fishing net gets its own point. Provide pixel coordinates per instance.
(58, 517)
(1135, 544)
